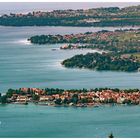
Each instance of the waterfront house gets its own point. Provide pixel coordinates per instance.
(44, 98)
(22, 98)
(120, 100)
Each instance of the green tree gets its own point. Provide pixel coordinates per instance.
(84, 100)
(75, 98)
(3, 99)
(58, 101)
(35, 97)
(10, 92)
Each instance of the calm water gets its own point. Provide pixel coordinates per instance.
(43, 121)
(26, 65)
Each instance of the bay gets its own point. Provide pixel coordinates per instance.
(26, 65)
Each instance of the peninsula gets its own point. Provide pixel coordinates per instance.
(119, 41)
(122, 47)
(96, 61)
(111, 16)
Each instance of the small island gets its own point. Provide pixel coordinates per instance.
(73, 97)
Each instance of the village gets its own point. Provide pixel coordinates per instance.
(114, 41)
(67, 13)
(77, 98)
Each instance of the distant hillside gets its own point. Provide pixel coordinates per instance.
(111, 16)
(129, 11)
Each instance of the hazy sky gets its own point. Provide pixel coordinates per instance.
(30, 6)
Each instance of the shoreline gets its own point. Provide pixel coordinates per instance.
(110, 28)
(73, 106)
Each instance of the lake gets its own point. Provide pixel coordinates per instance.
(26, 65)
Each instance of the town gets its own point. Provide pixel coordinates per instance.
(109, 16)
(78, 98)
(119, 41)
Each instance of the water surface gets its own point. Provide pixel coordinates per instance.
(26, 65)
(42, 121)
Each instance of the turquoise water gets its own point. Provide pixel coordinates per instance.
(25, 65)
(43, 121)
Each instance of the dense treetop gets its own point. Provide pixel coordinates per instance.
(100, 62)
